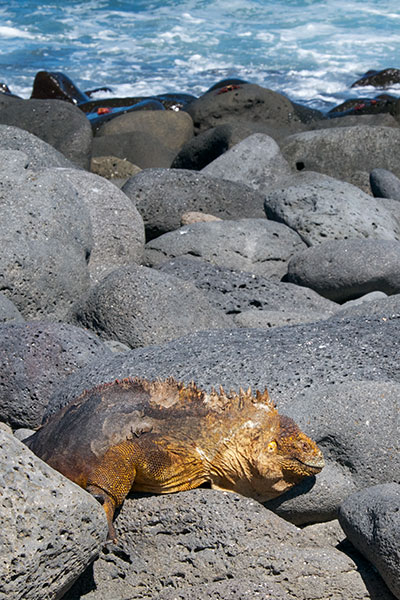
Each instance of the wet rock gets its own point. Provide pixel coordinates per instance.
(342, 151)
(117, 227)
(258, 246)
(163, 195)
(371, 521)
(345, 269)
(139, 306)
(58, 123)
(381, 79)
(51, 529)
(34, 357)
(256, 161)
(384, 184)
(320, 208)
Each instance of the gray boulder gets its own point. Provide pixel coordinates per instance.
(338, 378)
(138, 147)
(51, 530)
(345, 269)
(259, 246)
(386, 306)
(162, 196)
(371, 520)
(34, 357)
(60, 124)
(263, 319)
(240, 292)
(344, 152)
(384, 184)
(320, 208)
(38, 154)
(256, 161)
(45, 234)
(8, 310)
(139, 306)
(117, 227)
(207, 544)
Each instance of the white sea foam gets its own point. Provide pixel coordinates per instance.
(13, 32)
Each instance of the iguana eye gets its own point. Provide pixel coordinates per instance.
(272, 446)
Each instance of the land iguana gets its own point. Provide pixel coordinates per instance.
(163, 436)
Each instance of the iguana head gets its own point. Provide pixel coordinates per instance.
(268, 455)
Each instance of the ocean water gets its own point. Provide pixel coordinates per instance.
(311, 50)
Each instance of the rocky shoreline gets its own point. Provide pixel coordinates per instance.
(234, 239)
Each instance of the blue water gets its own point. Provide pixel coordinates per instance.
(309, 49)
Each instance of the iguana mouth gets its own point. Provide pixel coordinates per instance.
(315, 466)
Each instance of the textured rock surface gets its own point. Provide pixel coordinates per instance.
(263, 319)
(320, 208)
(34, 357)
(163, 195)
(389, 306)
(344, 151)
(8, 310)
(371, 521)
(256, 161)
(38, 154)
(344, 269)
(139, 306)
(60, 124)
(384, 184)
(117, 227)
(256, 245)
(140, 148)
(45, 235)
(51, 530)
(220, 545)
(239, 291)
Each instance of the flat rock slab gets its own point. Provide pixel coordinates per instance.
(45, 235)
(258, 246)
(34, 357)
(239, 292)
(59, 123)
(345, 269)
(344, 151)
(384, 184)
(117, 227)
(51, 530)
(210, 542)
(371, 521)
(139, 306)
(256, 161)
(38, 154)
(320, 208)
(162, 196)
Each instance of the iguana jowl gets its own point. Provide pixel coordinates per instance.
(163, 436)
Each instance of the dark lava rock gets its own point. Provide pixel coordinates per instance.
(320, 208)
(139, 306)
(371, 520)
(162, 196)
(256, 161)
(258, 246)
(384, 184)
(45, 235)
(206, 544)
(8, 310)
(345, 269)
(382, 79)
(203, 148)
(248, 102)
(38, 154)
(344, 151)
(238, 292)
(57, 86)
(58, 123)
(34, 357)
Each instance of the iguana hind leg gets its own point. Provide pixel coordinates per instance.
(109, 506)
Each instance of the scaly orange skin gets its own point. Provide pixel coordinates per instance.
(163, 436)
